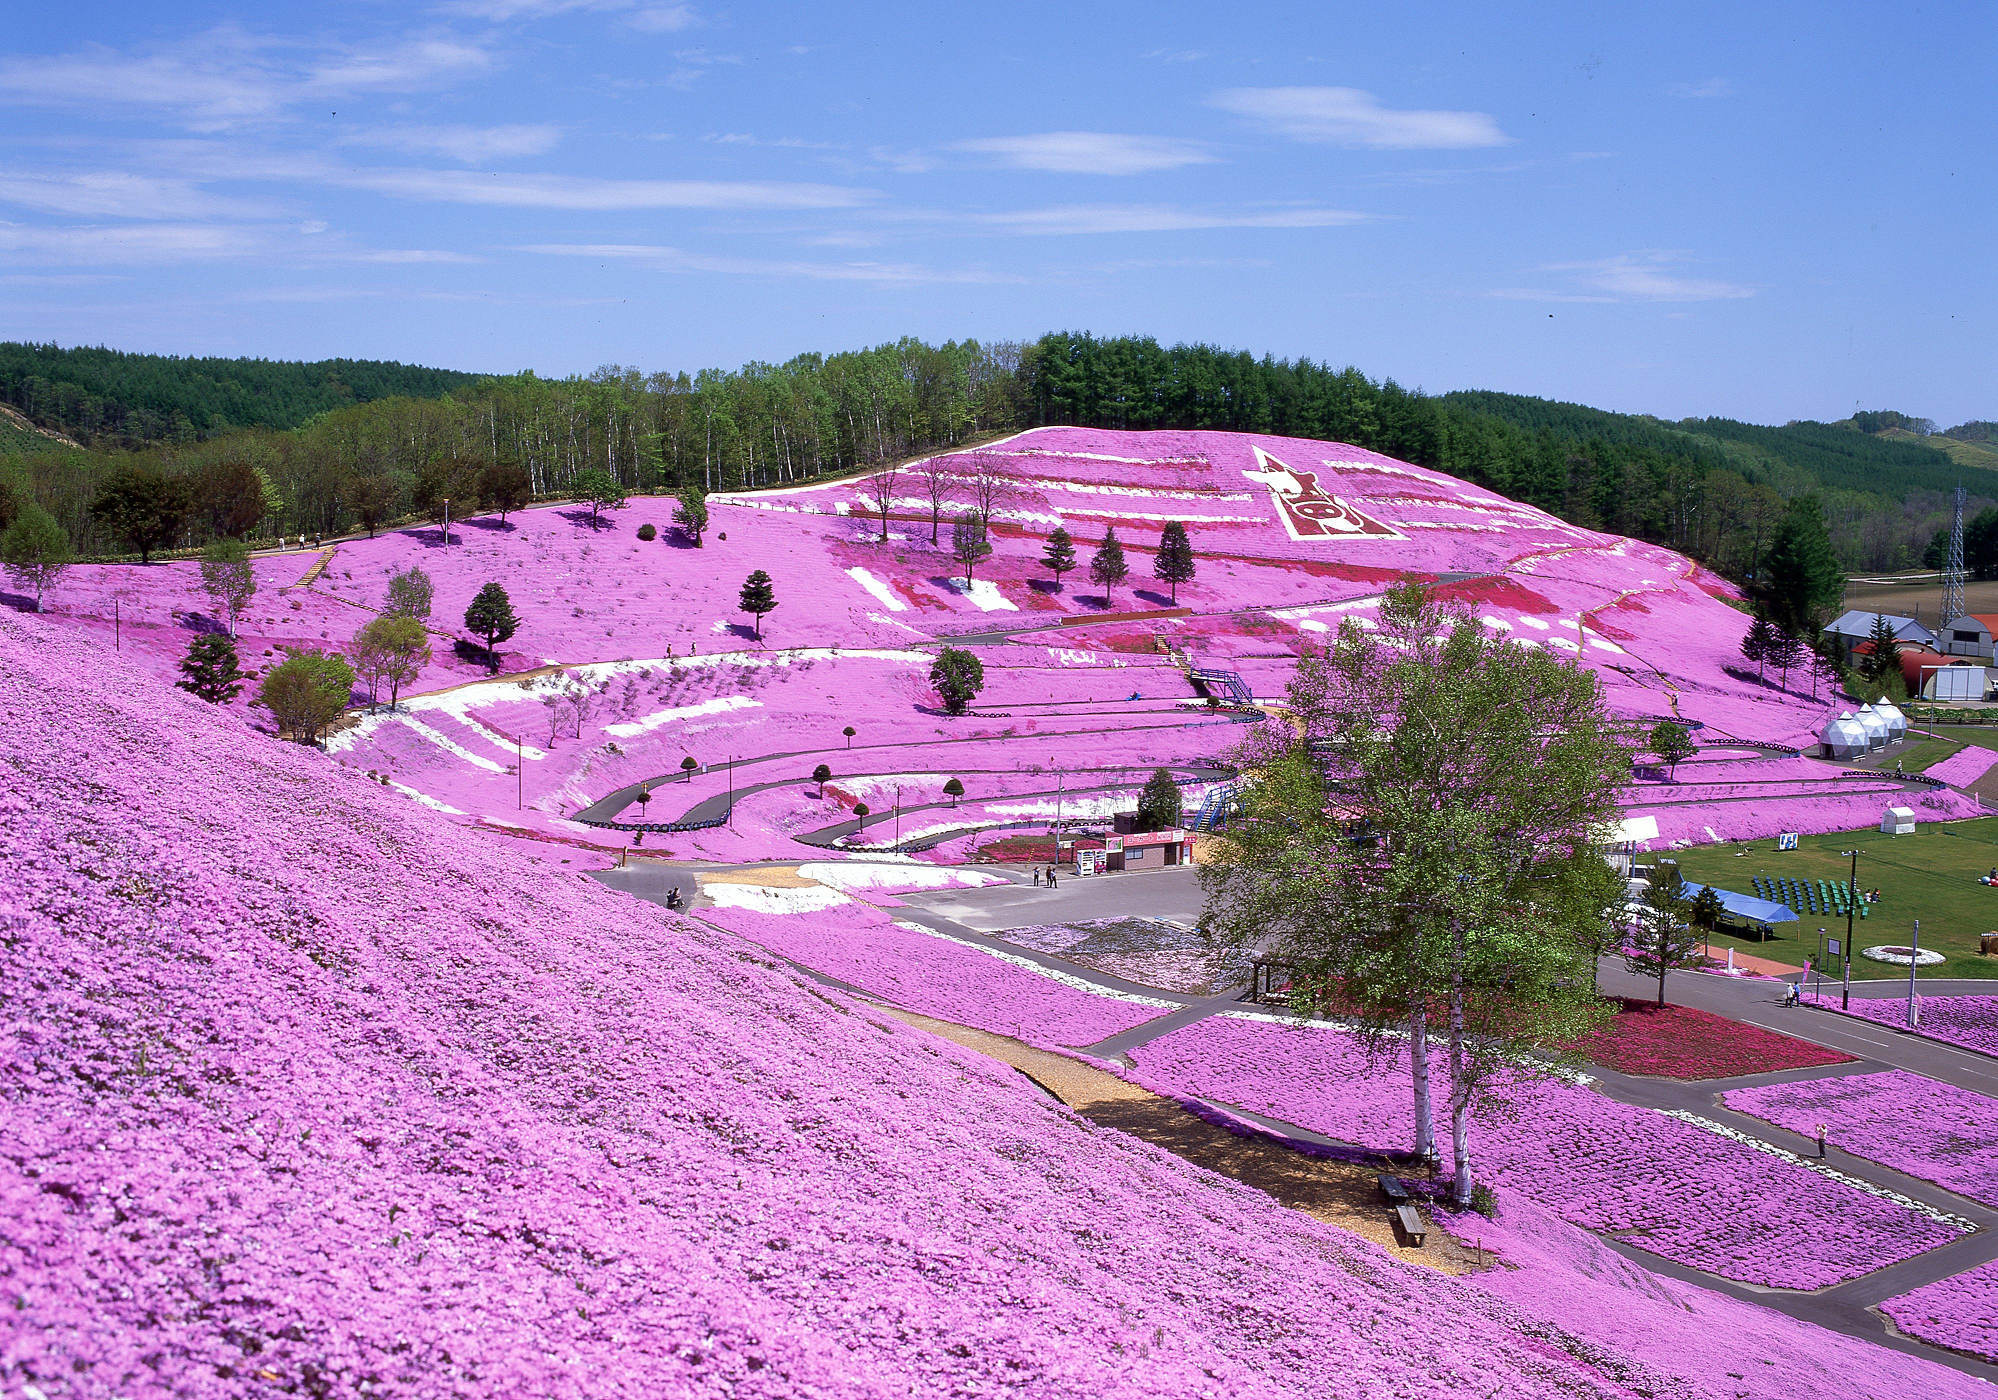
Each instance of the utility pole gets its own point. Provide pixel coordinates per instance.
(1914, 956)
(731, 792)
(447, 520)
(898, 816)
(1851, 896)
(519, 772)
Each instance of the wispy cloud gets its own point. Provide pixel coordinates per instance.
(669, 259)
(229, 76)
(1155, 218)
(89, 244)
(1090, 152)
(116, 194)
(651, 18)
(1175, 55)
(585, 193)
(1349, 117)
(1706, 87)
(474, 145)
(1651, 275)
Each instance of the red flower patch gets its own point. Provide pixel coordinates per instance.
(1499, 592)
(1679, 1042)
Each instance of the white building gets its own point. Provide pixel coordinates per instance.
(1875, 727)
(1844, 737)
(1969, 635)
(1850, 629)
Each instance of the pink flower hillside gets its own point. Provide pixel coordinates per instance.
(936, 976)
(1954, 1312)
(1671, 1187)
(1913, 1124)
(304, 1088)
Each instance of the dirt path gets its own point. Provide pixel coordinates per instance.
(1338, 1193)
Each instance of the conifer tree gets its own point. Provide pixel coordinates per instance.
(1174, 563)
(1059, 557)
(691, 514)
(210, 669)
(968, 542)
(1801, 582)
(1107, 567)
(491, 616)
(758, 597)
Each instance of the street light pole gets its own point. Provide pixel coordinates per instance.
(1914, 956)
(898, 816)
(1851, 896)
(519, 773)
(447, 520)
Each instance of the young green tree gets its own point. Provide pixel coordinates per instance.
(1107, 567)
(687, 767)
(447, 488)
(1428, 840)
(600, 489)
(937, 476)
(1671, 745)
(880, 488)
(230, 497)
(1801, 583)
(1158, 802)
(691, 514)
(146, 509)
(227, 577)
(1758, 641)
(954, 789)
(758, 597)
(1786, 653)
(958, 676)
(306, 692)
(1707, 908)
(822, 775)
(1881, 659)
(210, 669)
(1174, 562)
(409, 594)
(1059, 557)
(968, 543)
(35, 550)
(490, 617)
(505, 487)
(391, 650)
(1662, 937)
(849, 732)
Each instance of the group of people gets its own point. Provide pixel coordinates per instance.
(1046, 876)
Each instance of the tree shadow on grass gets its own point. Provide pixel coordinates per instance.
(432, 536)
(1157, 600)
(1044, 585)
(584, 519)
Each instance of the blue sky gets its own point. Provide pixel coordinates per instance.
(1764, 211)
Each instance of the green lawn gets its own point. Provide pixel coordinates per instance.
(1931, 876)
(1925, 753)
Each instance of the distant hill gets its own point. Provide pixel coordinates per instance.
(112, 398)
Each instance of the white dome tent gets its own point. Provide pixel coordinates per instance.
(1876, 728)
(1844, 737)
(1897, 723)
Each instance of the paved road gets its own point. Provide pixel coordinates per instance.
(1172, 893)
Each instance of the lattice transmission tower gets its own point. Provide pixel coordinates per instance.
(1952, 604)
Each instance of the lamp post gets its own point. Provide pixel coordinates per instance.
(447, 520)
(1851, 897)
(1914, 956)
(731, 792)
(898, 816)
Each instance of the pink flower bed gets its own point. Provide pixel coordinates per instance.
(1963, 767)
(1971, 1022)
(1913, 1124)
(1663, 1184)
(936, 976)
(1954, 1312)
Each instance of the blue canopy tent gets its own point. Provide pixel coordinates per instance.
(1759, 915)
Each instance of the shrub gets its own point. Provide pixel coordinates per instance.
(306, 692)
(647, 532)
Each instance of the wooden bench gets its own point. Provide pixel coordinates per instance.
(1410, 1226)
(1393, 1190)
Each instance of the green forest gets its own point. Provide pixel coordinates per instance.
(335, 445)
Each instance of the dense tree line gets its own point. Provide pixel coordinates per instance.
(111, 398)
(345, 445)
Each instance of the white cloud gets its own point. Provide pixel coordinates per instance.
(1706, 87)
(679, 260)
(650, 18)
(76, 244)
(1090, 152)
(116, 194)
(1642, 276)
(1155, 218)
(580, 192)
(227, 76)
(474, 145)
(1349, 117)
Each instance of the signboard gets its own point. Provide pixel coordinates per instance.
(1310, 512)
(1113, 843)
(1833, 944)
(1786, 841)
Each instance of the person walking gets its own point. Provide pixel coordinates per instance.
(1821, 1142)
(1037, 877)
(1052, 881)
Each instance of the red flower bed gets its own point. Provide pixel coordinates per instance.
(1678, 1042)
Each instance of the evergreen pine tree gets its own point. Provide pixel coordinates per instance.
(758, 597)
(1158, 802)
(968, 542)
(1762, 636)
(1107, 567)
(210, 668)
(691, 514)
(1801, 583)
(1174, 564)
(491, 616)
(1059, 557)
